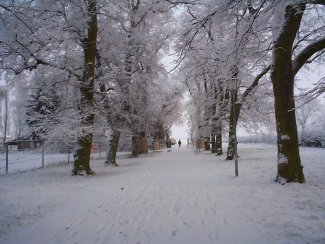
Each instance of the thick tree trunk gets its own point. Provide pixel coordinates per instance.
(234, 115)
(112, 148)
(207, 143)
(219, 137)
(213, 143)
(218, 114)
(6, 93)
(216, 137)
(289, 164)
(82, 154)
(134, 145)
(282, 76)
(233, 119)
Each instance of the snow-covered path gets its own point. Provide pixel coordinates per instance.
(167, 197)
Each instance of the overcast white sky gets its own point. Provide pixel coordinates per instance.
(179, 132)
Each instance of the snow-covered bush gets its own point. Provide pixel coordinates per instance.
(313, 138)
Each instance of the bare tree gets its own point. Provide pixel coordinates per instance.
(304, 114)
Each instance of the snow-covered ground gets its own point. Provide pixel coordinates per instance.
(167, 197)
(20, 161)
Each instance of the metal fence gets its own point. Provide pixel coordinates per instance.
(13, 160)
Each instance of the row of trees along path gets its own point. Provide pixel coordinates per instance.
(103, 62)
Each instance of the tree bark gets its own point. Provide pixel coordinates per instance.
(82, 154)
(233, 119)
(213, 142)
(6, 94)
(218, 138)
(134, 145)
(234, 114)
(282, 76)
(218, 116)
(112, 148)
(207, 143)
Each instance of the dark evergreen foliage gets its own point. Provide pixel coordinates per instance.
(41, 106)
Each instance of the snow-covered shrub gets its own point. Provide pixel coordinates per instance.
(313, 138)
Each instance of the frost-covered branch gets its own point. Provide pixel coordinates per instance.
(307, 53)
(312, 94)
(255, 82)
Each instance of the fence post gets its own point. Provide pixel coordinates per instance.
(43, 158)
(7, 158)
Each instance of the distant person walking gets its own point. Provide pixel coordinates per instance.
(179, 143)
